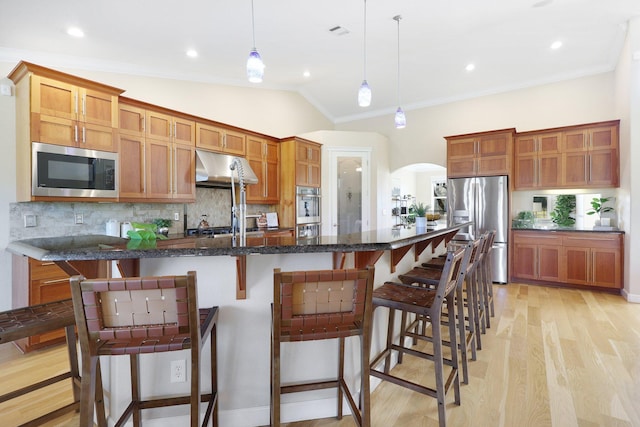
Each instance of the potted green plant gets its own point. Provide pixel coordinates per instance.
(599, 208)
(419, 210)
(565, 206)
(163, 225)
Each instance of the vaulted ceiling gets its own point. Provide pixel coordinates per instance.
(508, 41)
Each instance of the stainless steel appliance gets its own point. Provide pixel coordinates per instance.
(307, 211)
(73, 172)
(485, 201)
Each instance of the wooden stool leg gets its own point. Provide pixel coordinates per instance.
(275, 383)
(72, 350)
(90, 365)
(340, 375)
(100, 413)
(214, 373)
(387, 360)
(365, 386)
(135, 388)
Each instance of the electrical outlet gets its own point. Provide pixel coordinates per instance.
(79, 218)
(176, 216)
(178, 371)
(30, 220)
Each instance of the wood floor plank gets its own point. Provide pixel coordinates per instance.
(552, 357)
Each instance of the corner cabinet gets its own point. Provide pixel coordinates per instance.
(157, 154)
(480, 154)
(264, 158)
(569, 258)
(57, 108)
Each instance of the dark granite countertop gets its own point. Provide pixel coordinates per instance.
(101, 247)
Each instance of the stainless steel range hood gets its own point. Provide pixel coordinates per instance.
(212, 170)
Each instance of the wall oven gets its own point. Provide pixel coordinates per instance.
(59, 171)
(307, 211)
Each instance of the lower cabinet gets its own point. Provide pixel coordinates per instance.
(569, 258)
(536, 256)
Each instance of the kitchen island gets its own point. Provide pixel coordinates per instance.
(244, 324)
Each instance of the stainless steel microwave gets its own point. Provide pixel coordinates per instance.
(59, 171)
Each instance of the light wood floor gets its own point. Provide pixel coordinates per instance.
(553, 357)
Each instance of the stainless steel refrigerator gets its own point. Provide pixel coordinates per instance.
(485, 201)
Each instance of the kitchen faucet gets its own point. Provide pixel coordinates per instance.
(238, 212)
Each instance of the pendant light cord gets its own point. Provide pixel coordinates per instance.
(397, 18)
(253, 26)
(364, 62)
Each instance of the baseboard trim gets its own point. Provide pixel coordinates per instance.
(635, 298)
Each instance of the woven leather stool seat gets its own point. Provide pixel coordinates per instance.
(137, 315)
(319, 305)
(26, 322)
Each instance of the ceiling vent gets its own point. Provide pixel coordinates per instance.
(339, 31)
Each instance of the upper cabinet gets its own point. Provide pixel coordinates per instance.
(590, 156)
(216, 138)
(538, 160)
(583, 156)
(480, 154)
(263, 156)
(61, 109)
(157, 154)
(307, 163)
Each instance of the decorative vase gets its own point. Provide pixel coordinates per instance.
(421, 222)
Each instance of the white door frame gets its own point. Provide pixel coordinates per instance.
(331, 193)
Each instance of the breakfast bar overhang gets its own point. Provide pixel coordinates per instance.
(244, 324)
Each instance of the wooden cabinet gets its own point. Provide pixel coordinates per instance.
(300, 165)
(71, 115)
(219, 139)
(157, 154)
(307, 164)
(61, 109)
(538, 162)
(536, 256)
(590, 156)
(568, 258)
(264, 158)
(594, 259)
(480, 154)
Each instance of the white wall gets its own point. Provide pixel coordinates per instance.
(7, 189)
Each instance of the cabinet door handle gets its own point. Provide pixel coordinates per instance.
(84, 134)
(75, 103)
(590, 164)
(142, 123)
(75, 133)
(224, 140)
(175, 130)
(84, 106)
(144, 168)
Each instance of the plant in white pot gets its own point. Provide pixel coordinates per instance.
(420, 211)
(599, 208)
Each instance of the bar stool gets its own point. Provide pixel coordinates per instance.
(487, 276)
(465, 300)
(138, 315)
(428, 303)
(319, 305)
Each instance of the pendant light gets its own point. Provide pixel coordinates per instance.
(255, 66)
(364, 93)
(400, 119)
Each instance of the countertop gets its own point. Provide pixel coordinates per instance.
(101, 247)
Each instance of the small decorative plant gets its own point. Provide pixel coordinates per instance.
(597, 203)
(565, 206)
(162, 225)
(419, 209)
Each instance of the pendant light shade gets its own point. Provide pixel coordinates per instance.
(400, 119)
(255, 66)
(364, 93)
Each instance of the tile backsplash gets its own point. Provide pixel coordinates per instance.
(59, 218)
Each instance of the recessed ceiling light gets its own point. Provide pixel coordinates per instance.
(192, 53)
(306, 74)
(470, 67)
(75, 32)
(556, 45)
